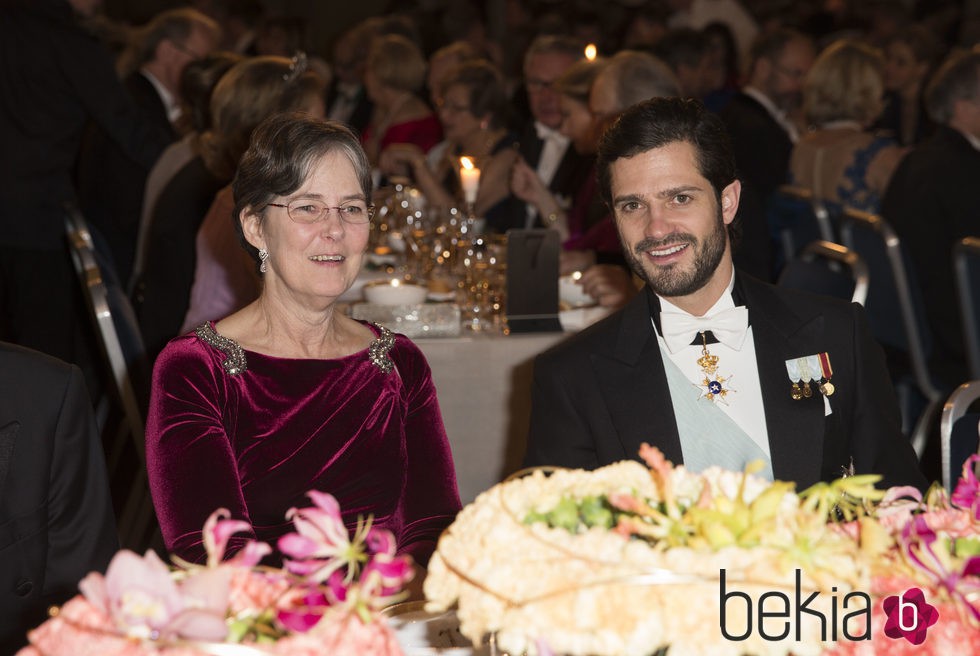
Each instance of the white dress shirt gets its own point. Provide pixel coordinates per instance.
(743, 404)
(552, 152)
(170, 103)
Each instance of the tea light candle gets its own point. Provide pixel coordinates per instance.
(469, 177)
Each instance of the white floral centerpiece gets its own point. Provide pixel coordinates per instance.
(326, 599)
(629, 560)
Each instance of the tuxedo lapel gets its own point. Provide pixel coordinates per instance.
(796, 428)
(531, 145)
(634, 385)
(8, 439)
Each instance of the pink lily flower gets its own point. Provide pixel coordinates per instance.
(218, 529)
(143, 601)
(967, 492)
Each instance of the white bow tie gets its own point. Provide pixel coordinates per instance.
(728, 326)
(549, 134)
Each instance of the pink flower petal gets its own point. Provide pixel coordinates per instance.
(250, 555)
(380, 541)
(93, 587)
(300, 621)
(297, 546)
(199, 624)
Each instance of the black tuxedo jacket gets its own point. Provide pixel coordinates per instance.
(111, 184)
(600, 394)
(932, 202)
(762, 150)
(56, 520)
(361, 115)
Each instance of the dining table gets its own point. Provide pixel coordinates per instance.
(483, 382)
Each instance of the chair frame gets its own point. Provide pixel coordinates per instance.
(839, 253)
(820, 212)
(954, 408)
(137, 513)
(920, 367)
(962, 251)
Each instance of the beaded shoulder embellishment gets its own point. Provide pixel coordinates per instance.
(378, 351)
(234, 363)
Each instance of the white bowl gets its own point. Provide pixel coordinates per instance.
(570, 292)
(394, 292)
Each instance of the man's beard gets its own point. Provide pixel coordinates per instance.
(671, 281)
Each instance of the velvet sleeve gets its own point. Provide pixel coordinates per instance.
(431, 498)
(189, 456)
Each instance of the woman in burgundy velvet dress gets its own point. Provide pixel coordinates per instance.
(288, 394)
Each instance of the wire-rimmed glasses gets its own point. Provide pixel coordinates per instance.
(309, 210)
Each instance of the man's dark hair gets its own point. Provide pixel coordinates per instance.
(682, 46)
(658, 122)
(958, 78)
(770, 45)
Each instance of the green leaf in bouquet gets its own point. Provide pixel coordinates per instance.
(966, 547)
(564, 515)
(596, 512)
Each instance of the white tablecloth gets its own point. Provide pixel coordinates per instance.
(484, 388)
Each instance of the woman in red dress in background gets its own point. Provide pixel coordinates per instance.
(395, 74)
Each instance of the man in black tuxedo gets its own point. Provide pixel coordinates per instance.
(711, 366)
(759, 120)
(542, 145)
(931, 202)
(110, 182)
(56, 520)
(346, 98)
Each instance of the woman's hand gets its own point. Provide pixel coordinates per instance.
(401, 159)
(571, 261)
(526, 185)
(610, 285)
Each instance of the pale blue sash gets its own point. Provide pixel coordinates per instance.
(708, 436)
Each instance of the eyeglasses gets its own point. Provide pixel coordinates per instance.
(187, 51)
(306, 210)
(451, 107)
(534, 85)
(794, 74)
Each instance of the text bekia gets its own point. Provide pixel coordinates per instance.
(778, 615)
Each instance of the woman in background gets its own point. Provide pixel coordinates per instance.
(840, 159)
(289, 394)
(393, 77)
(249, 92)
(473, 111)
(909, 58)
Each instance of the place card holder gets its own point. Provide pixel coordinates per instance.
(532, 281)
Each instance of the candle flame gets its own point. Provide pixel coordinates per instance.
(591, 51)
(466, 162)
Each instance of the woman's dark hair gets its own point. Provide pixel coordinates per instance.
(484, 88)
(281, 156)
(197, 82)
(248, 93)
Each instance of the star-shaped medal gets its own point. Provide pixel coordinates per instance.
(715, 388)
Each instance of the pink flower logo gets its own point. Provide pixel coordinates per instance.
(909, 616)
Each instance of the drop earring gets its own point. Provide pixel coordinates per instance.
(263, 256)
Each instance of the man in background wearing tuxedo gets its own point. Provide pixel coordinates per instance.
(542, 145)
(760, 121)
